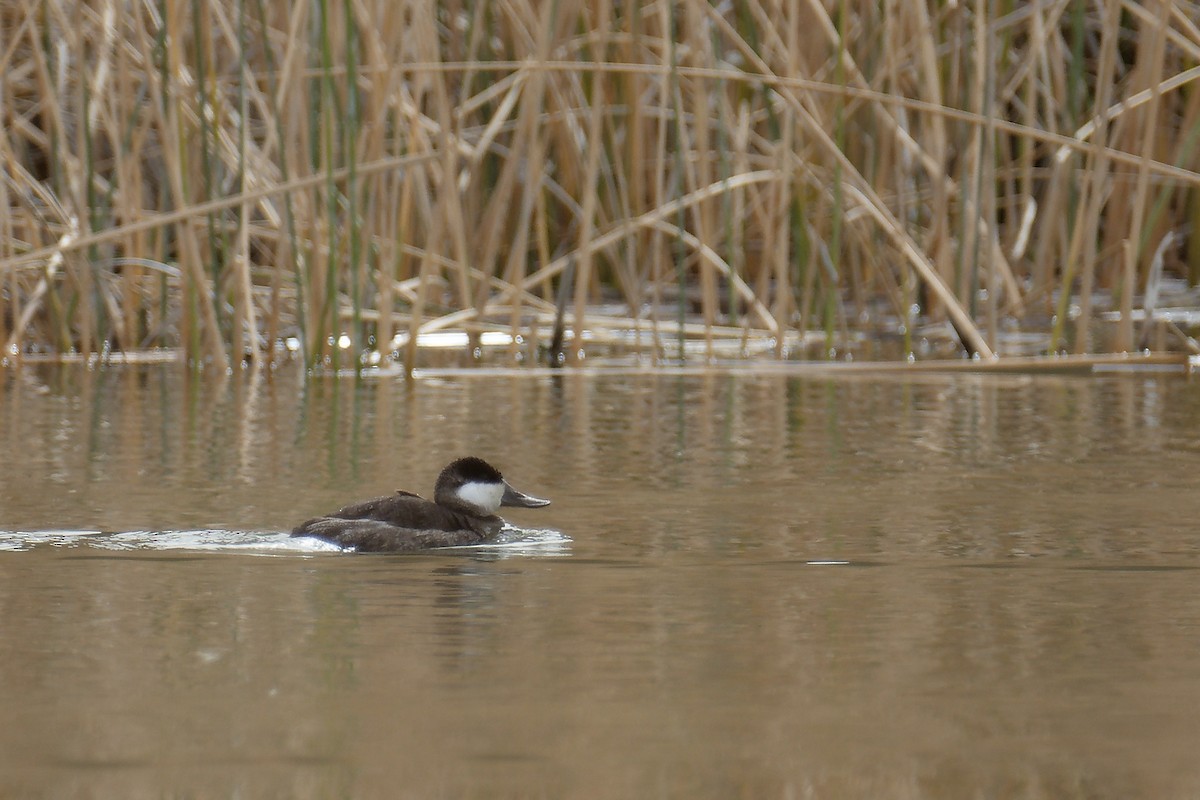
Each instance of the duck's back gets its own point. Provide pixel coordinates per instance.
(403, 509)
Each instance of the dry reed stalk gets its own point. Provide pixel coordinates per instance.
(780, 240)
(894, 43)
(417, 138)
(1191, 198)
(1153, 46)
(929, 84)
(170, 121)
(529, 115)
(10, 310)
(699, 171)
(588, 188)
(985, 46)
(245, 336)
(658, 197)
(634, 87)
(737, 234)
(451, 202)
(126, 205)
(388, 266)
(1095, 193)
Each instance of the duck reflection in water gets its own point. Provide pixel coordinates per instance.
(466, 497)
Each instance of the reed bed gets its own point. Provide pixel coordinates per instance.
(252, 180)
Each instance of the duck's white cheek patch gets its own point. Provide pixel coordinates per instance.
(483, 495)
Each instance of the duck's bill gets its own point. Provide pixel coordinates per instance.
(512, 497)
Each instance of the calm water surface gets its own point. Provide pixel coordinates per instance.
(748, 585)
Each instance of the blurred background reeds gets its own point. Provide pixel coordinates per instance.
(346, 181)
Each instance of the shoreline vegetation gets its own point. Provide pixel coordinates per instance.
(416, 184)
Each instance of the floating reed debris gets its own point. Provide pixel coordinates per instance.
(254, 180)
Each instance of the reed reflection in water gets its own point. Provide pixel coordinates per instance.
(1018, 613)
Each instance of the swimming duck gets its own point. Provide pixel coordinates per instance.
(466, 497)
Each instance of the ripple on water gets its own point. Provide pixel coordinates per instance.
(511, 541)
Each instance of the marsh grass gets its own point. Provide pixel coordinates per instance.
(250, 180)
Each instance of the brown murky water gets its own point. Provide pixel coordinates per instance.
(748, 585)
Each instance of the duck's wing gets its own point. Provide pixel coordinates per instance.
(412, 512)
(393, 508)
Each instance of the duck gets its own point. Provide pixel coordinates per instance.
(466, 497)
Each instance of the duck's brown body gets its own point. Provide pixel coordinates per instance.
(400, 523)
(468, 493)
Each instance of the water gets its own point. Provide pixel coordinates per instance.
(747, 585)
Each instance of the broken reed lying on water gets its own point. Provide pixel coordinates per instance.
(223, 176)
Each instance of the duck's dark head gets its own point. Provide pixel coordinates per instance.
(475, 486)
